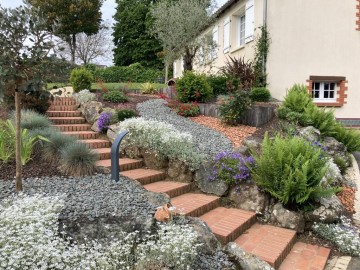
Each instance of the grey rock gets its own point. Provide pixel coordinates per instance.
(91, 111)
(95, 126)
(133, 151)
(153, 160)
(245, 260)
(250, 199)
(113, 131)
(329, 211)
(244, 150)
(178, 171)
(333, 175)
(201, 178)
(252, 142)
(336, 149)
(309, 133)
(287, 219)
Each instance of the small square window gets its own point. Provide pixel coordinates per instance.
(324, 91)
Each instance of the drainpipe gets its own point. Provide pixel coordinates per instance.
(264, 25)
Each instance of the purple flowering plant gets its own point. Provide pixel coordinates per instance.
(232, 168)
(104, 121)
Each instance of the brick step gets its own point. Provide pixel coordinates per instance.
(171, 188)
(305, 256)
(73, 127)
(96, 143)
(63, 103)
(63, 113)
(104, 153)
(144, 176)
(67, 120)
(228, 223)
(195, 205)
(126, 164)
(83, 135)
(62, 108)
(64, 99)
(269, 243)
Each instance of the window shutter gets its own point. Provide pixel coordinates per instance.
(216, 41)
(226, 35)
(182, 67)
(174, 70)
(249, 20)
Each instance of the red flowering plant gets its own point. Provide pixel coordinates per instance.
(187, 109)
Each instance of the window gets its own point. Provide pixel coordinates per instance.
(241, 30)
(215, 42)
(226, 35)
(324, 91)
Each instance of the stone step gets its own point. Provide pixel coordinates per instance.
(305, 256)
(83, 135)
(195, 205)
(73, 127)
(126, 164)
(96, 143)
(171, 188)
(67, 120)
(269, 243)
(63, 113)
(62, 108)
(144, 176)
(104, 153)
(228, 223)
(57, 102)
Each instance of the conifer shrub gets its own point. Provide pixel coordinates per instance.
(81, 79)
(77, 159)
(291, 170)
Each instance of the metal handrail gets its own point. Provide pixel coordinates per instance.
(115, 167)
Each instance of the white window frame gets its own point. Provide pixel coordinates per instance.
(226, 35)
(322, 90)
(241, 21)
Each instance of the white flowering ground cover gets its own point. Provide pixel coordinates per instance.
(84, 96)
(29, 239)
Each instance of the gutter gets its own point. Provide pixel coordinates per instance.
(264, 25)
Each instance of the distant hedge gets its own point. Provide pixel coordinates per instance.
(135, 73)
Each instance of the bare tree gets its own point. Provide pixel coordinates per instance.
(89, 47)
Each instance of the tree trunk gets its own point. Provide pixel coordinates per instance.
(73, 48)
(18, 179)
(188, 60)
(166, 72)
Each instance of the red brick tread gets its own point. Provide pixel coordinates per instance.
(269, 243)
(144, 176)
(63, 113)
(73, 127)
(306, 257)
(171, 188)
(104, 153)
(228, 223)
(67, 120)
(96, 143)
(195, 205)
(125, 164)
(62, 108)
(83, 134)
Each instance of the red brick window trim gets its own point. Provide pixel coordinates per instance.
(341, 92)
(358, 15)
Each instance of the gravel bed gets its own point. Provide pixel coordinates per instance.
(207, 141)
(92, 196)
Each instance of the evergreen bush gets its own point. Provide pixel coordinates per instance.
(193, 87)
(232, 108)
(115, 97)
(260, 94)
(81, 79)
(125, 114)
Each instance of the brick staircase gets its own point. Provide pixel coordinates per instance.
(275, 245)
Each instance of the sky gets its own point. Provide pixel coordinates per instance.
(107, 9)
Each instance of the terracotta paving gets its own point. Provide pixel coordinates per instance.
(195, 205)
(228, 223)
(267, 242)
(144, 176)
(306, 257)
(171, 188)
(125, 164)
(104, 153)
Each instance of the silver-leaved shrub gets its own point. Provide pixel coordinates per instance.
(84, 96)
(162, 138)
(29, 239)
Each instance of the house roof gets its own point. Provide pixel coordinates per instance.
(224, 7)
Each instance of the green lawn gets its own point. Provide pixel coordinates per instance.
(110, 86)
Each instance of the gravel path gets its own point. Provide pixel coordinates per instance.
(207, 141)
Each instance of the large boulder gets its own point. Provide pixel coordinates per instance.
(153, 160)
(337, 150)
(216, 186)
(252, 142)
(91, 111)
(287, 219)
(250, 199)
(179, 171)
(113, 131)
(309, 133)
(245, 260)
(329, 211)
(333, 175)
(95, 126)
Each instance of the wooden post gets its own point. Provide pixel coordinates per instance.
(18, 179)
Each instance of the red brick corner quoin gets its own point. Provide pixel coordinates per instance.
(358, 15)
(341, 94)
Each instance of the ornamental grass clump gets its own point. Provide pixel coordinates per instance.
(32, 120)
(104, 121)
(291, 170)
(344, 235)
(162, 138)
(77, 159)
(232, 168)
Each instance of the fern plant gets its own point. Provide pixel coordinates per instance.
(298, 99)
(291, 169)
(350, 138)
(7, 142)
